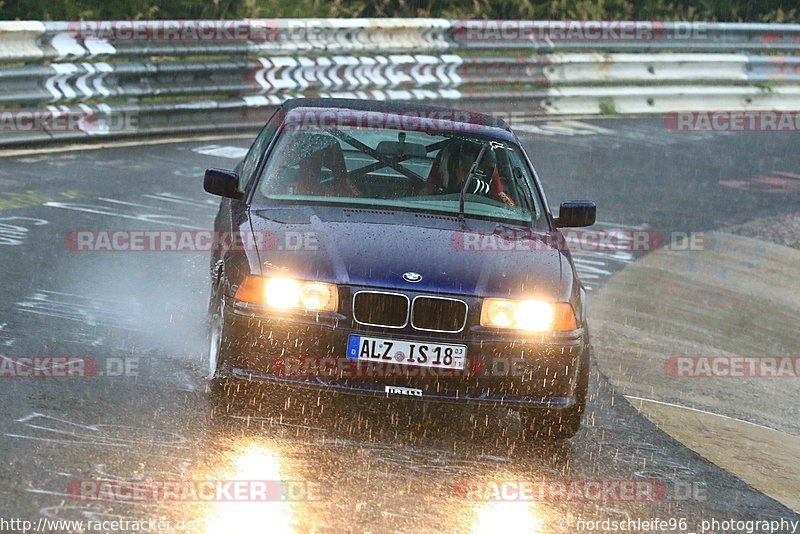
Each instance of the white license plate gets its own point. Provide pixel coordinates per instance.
(401, 352)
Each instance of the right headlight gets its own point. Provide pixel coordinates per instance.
(287, 294)
(528, 315)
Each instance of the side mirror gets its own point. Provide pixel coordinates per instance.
(576, 213)
(222, 183)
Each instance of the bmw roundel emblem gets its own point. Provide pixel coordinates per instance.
(412, 277)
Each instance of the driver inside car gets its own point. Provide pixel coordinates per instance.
(321, 167)
(452, 165)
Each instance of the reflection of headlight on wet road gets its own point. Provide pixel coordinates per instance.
(507, 517)
(257, 463)
(253, 463)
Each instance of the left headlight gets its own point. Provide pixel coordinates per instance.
(287, 293)
(528, 315)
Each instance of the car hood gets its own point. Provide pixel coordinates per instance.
(375, 248)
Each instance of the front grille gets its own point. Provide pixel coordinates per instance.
(439, 314)
(380, 309)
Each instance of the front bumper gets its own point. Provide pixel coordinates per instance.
(310, 351)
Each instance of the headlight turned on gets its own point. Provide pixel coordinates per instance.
(528, 315)
(281, 293)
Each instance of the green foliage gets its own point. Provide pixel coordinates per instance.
(710, 10)
(608, 106)
(118, 9)
(765, 87)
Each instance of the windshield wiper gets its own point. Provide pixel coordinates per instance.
(517, 172)
(471, 172)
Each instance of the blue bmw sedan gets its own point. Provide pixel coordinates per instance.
(395, 250)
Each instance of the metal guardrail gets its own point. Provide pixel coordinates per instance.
(147, 77)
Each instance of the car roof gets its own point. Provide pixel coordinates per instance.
(477, 123)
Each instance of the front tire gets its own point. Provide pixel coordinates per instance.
(217, 362)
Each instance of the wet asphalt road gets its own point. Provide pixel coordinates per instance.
(375, 467)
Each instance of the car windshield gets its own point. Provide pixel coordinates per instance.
(402, 169)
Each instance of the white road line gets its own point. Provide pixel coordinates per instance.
(629, 397)
(231, 152)
(13, 152)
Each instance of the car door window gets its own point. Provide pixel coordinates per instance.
(253, 157)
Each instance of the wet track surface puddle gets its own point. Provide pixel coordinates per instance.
(414, 470)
